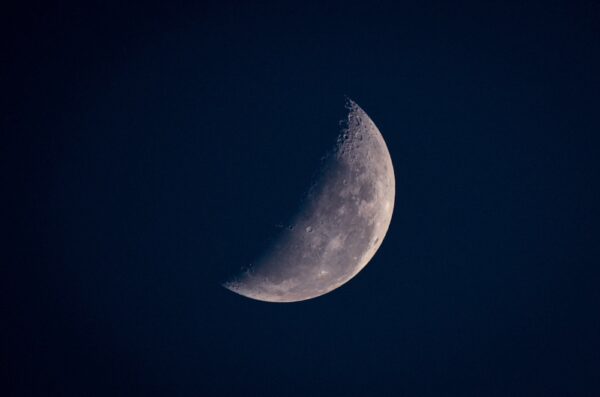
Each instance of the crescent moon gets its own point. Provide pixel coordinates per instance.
(338, 228)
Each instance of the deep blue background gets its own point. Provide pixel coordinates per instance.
(149, 150)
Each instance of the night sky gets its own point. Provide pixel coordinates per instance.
(148, 151)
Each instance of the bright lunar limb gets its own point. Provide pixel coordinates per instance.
(339, 226)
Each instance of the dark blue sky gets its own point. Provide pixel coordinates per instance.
(149, 150)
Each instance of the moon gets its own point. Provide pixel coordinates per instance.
(338, 228)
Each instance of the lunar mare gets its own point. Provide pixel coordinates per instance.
(338, 228)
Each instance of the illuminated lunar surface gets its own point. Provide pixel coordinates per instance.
(338, 228)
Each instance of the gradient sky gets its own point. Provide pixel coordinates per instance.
(149, 150)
